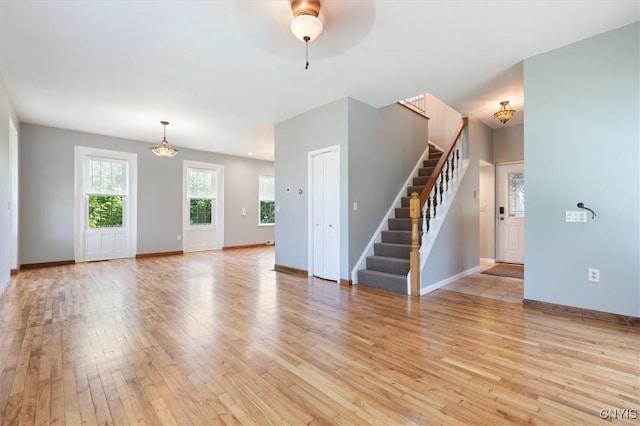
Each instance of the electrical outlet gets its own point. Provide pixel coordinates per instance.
(179, 237)
(594, 275)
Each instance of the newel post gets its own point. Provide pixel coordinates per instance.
(414, 259)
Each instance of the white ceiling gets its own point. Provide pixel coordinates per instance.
(223, 73)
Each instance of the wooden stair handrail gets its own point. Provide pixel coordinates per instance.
(441, 163)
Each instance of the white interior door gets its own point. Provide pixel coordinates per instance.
(325, 214)
(510, 214)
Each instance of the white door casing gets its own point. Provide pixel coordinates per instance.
(203, 237)
(13, 203)
(510, 213)
(324, 213)
(112, 242)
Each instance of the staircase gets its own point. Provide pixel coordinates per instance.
(387, 269)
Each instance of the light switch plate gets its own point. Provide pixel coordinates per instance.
(575, 216)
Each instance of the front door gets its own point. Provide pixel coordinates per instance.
(510, 214)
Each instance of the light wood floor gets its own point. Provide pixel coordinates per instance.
(220, 338)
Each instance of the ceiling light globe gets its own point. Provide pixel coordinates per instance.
(303, 26)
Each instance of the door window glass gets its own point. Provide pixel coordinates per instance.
(266, 199)
(516, 194)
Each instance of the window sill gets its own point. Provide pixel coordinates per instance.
(266, 224)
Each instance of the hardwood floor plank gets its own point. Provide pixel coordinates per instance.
(70, 396)
(220, 338)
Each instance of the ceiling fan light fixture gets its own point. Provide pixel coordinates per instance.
(163, 149)
(305, 24)
(306, 27)
(505, 112)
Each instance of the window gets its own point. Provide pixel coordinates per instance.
(105, 193)
(201, 190)
(266, 198)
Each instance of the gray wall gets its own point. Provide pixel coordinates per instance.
(457, 248)
(508, 144)
(47, 194)
(587, 151)
(384, 146)
(6, 113)
(379, 147)
(294, 138)
(480, 141)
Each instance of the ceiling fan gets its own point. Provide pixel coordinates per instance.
(269, 25)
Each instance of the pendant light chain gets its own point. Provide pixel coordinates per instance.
(306, 48)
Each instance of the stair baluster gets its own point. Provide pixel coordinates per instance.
(446, 174)
(434, 196)
(454, 173)
(427, 213)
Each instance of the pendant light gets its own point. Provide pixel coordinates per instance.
(163, 149)
(505, 112)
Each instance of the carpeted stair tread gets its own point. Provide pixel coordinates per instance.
(420, 180)
(396, 237)
(392, 265)
(383, 280)
(401, 224)
(425, 171)
(412, 189)
(402, 212)
(431, 162)
(392, 250)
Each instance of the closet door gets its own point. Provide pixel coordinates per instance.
(325, 193)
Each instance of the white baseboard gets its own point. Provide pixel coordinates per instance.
(482, 259)
(449, 280)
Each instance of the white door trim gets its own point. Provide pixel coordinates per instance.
(13, 202)
(310, 247)
(79, 217)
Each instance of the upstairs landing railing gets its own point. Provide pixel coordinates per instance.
(417, 103)
(425, 205)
